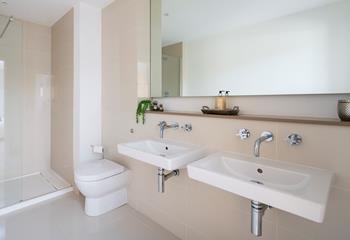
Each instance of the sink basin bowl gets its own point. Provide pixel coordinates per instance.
(294, 188)
(166, 154)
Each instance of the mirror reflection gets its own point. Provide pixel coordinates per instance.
(274, 47)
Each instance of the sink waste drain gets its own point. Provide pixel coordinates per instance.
(257, 182)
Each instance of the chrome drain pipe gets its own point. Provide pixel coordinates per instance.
(257, 212)
(162, 177)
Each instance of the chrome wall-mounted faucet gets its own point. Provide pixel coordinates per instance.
(164, 125)
(265, 137)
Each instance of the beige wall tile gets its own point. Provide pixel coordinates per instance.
(323, 146)
(36, 37)
(285, 234)
(170, 223)
(336, 224)
(36, 111)
(62, 104)
(192, 234)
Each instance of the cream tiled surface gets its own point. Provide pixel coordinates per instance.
(64, 218)
(189, 209)
(11, 52)
(36, 110)
(62, 103)
(28, 54)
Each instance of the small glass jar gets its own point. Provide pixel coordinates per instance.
(344, 110)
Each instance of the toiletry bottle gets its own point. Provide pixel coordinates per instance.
(220, 103)
(227, 94)
(155, 106)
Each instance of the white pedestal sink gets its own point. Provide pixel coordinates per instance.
(297, 189)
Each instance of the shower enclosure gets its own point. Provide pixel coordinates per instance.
(25, 112)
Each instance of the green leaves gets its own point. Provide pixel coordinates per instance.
(141, 109)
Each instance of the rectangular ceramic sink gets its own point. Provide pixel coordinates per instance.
(166, 154)
(294, 188)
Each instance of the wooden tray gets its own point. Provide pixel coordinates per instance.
(233, 111)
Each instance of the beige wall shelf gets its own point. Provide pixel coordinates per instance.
(266, 118)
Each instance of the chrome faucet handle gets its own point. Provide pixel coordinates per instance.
(187, 127)
(162, 123)
(294, 139)
(267, 135)
(173, 125)
(243, 133)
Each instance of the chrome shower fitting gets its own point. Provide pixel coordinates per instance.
(11, 19)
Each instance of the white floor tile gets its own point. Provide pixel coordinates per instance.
(64, 219)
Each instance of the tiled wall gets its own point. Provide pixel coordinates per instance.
(189, 209)
(26, 49)
(62, 103)
(11, 143)
(37, 103)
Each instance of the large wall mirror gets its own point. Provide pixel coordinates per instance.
(249, 47)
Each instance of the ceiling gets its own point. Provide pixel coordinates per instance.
(45, 12)
(189, 19)
(184, 15)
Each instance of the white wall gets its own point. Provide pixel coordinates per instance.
(87, 81)
(307, 52)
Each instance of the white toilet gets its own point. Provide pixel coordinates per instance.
(103, 183)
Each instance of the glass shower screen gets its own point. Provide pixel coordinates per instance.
(11, 111)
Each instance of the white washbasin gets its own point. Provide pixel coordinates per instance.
(294, 188)
(166, 154)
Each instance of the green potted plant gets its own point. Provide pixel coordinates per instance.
(142, 107)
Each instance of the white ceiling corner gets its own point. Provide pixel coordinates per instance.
(44, 12)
